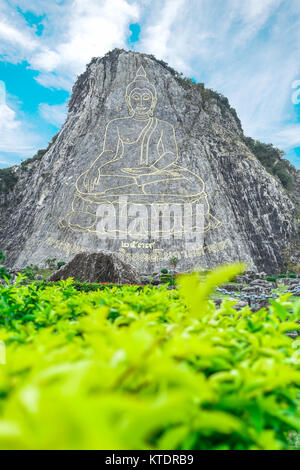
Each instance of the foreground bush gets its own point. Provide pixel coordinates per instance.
(82, 286)
(131, 368)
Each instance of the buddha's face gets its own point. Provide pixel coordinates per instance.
(141, 101)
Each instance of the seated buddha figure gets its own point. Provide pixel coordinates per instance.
(139, 159)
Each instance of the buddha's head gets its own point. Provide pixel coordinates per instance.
(141, 97)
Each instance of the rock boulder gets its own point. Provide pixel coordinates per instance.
(97, 267)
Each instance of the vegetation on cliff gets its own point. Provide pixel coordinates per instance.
(8, 176)
(40, 153)
(271, 158)
(8, 179)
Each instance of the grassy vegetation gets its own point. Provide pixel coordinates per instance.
(8, 179)
(142, 368)
(40, 153)
(271, 159)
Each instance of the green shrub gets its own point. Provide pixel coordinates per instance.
(292, 276)
(30, 272)
(51, 263)
(40, 153)
(208, 95)
(173, 262)
(271, 158)
(8, 180)
(3, 270)
(164, 271)
(2, 257)
(167, 278)
(281, 276)
(60, 264)
(132, 368)
(8, 176)
(83, 286)
(271, 278)
(4, 273)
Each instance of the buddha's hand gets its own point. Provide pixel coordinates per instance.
(172, 173)
(141, 170)
(91, 179)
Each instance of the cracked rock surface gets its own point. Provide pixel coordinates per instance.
(256, 214)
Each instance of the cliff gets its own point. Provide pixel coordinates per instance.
(49, 207)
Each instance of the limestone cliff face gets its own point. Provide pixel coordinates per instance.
(248, 215)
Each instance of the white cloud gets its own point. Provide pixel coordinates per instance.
(46, 60)
(75, 31)
(54, 114)
(2, 93)
(10, 34)
(6, 162)
(17, 40)
(53, 80)
(288, 137)
(156, 40)
(15, 135)
(184, 30)
(253, 10)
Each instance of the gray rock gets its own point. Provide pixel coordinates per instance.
(240, 305)
(258, 305)
(293, 334)
(232, 287)
(53, 210)
(261, 275)
(289, 282)
(97, 267)
(263, 284)
(218, 302)
(251, 274)
(243, 279)
(259, 282)
(256, 290)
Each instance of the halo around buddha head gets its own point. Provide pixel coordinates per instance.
(141, 82)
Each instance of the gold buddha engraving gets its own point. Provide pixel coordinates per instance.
(139, 160)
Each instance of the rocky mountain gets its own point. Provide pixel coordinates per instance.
(139, 139)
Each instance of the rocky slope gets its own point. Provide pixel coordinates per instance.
(255, 215)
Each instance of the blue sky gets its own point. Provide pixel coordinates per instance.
(248, 50)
